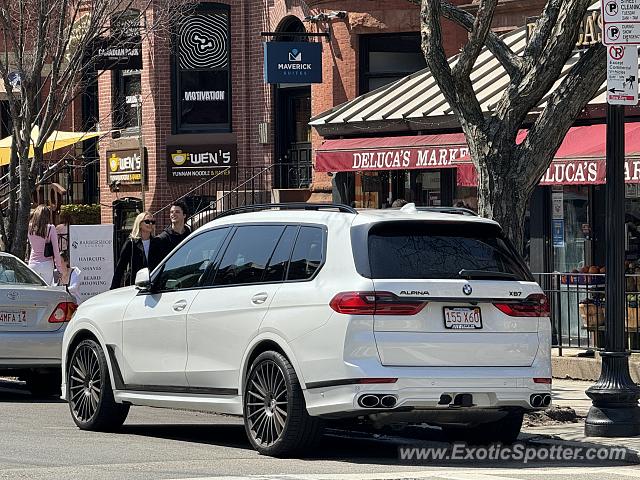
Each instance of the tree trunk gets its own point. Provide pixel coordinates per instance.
(503, 197)
(19, 243)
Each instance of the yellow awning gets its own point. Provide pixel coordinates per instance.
(58, 139)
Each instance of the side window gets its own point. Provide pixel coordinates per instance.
(277, 268)
(307, 254)
(246, 257)
(192, 263)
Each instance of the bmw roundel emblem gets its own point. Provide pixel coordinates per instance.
(467, 290)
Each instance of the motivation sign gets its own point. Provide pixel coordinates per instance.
(293, 62)
(187, 163)
(124, 166)
(91, 250)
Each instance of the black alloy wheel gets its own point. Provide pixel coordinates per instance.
(275, 415)
(89, 392)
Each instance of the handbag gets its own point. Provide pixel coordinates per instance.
(48, 246)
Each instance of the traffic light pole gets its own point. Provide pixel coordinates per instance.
(615, 411)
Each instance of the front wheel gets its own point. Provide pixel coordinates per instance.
(89, 390)
(275, 414)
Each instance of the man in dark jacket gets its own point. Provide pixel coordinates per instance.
(178, 231)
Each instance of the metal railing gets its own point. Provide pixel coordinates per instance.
(578, 309)
(236, 187)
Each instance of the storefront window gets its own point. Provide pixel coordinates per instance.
(569, 225)
(202, 71)
(386, 58)
(127, 86)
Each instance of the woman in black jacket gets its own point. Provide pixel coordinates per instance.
(139, 251)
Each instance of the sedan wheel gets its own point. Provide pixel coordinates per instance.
(89, 390)
(275, 415)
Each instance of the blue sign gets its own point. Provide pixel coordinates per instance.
(557, 232)
(293, 62)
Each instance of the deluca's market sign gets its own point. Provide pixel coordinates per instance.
(187, 163)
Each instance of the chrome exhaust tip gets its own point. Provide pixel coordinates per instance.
(369, 401)
(536, 401)
(546, 400)
(388, 401)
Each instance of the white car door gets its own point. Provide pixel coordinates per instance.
(225, 317)
(154, 324)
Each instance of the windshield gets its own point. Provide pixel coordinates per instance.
(421, 250)
(14, 272)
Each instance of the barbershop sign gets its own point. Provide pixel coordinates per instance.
(125, 166)
(293, 62)
(188, 163)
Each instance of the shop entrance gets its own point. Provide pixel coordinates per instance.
(292, 116)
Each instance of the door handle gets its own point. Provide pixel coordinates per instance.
(180, 305)
(259, 298)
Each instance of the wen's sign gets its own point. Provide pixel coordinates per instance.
(198, 162)
(293, 62)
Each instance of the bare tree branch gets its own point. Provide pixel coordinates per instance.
(477, 37)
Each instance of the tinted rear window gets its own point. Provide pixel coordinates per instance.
(410, 250)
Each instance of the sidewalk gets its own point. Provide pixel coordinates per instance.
(569, 365)
(570, 393)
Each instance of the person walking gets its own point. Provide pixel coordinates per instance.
(43, 240)
(177, 231)
(141, 250)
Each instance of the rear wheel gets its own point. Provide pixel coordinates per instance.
(89, 390)
(275, 414)
(505, 431)
(44, 383)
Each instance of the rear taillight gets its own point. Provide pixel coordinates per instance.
(535, 305)
(374, 303)
(63, 312)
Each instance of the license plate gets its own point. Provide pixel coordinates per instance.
(462, 318)
(18, 318)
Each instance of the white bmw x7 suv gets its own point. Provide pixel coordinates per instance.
(294, 314)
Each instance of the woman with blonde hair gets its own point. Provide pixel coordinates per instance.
(43, 240)
(139, 251)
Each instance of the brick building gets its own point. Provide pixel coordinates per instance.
(204, 93)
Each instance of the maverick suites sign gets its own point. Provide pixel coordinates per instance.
(293, 62)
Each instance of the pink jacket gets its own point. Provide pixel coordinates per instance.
(37, 247)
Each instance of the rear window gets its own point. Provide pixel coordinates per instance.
(13, 272)
(413, 250)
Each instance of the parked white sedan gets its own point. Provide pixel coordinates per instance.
(33, 317)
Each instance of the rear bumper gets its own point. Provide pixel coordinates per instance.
(422, 396)
(31, 349)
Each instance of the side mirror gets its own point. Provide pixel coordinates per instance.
(142, 278)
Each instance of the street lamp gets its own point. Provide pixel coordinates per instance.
(615, 411)
(140, 148)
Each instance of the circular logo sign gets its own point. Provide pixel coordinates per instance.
(114, 163)
(179, 158)
(467, 290)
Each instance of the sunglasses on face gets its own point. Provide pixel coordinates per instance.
(149, 222)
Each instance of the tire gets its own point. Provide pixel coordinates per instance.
(89, 390)
(44, 384)
(505, 431)
(275, 415)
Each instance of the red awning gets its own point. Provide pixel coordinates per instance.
(579, 160)
(391, 153)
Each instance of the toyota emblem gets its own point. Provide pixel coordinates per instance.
(13, 295)
(467, 290)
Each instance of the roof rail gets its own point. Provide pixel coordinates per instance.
(453, 210)
(287, 206)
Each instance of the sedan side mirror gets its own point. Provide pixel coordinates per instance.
(142, 279)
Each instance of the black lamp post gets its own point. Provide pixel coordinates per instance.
(615, 411)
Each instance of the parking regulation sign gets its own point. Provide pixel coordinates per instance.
(622, 75)
(621, 22)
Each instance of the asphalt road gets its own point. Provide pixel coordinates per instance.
(38, 440)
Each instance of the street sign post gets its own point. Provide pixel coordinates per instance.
(622, 75)
(614, 411)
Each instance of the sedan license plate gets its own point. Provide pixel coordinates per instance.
(462, 318)
(18, 318)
